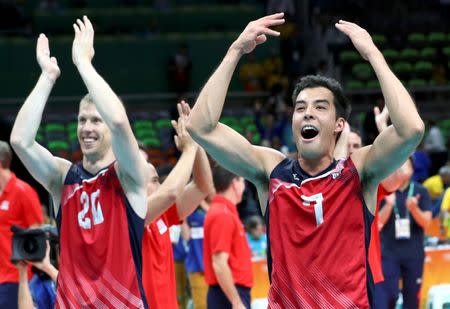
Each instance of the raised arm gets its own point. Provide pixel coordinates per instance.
(48, 170)
(394, 144)
(225, 145)
(174, 184)
(130, 164)
(341, 149)
(201, 185)
(199, 188)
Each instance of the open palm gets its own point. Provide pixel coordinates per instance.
(49, 65)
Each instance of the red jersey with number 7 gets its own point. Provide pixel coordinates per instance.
(100, 243)
(318, 233)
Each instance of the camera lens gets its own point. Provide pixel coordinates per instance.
(30, 245)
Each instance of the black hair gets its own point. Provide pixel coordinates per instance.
(222, 178)
(343, 107)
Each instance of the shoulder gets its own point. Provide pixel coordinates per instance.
(23, 187)
(270, 157)
(420, 188)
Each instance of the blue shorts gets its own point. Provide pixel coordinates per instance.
(9, 295)
(217, 299)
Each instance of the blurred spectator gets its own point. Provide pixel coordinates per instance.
(179, 257)
(40, 293)
(249, 206)
(19, 205)
(404, 216)
(251, 73)
(180, 67)
(256, 236)
(275, 81)
(438, 183)
(287, 138)
(445, 211)
(227, 256)
(193, 233)
(435, 146)
(269, 129)
(422, 164)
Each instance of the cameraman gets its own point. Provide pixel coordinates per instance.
(19, 205)
(42, 292)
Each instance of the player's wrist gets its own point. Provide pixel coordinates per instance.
(235, 50)
(84, 64)
(49, 77)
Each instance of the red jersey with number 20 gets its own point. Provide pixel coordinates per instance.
(319, 232)
(100, 241)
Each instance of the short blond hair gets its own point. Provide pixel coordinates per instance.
(87, 99)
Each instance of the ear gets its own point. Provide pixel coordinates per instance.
(339, 125)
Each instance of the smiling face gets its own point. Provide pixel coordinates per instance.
(314, 123)
(93, 134)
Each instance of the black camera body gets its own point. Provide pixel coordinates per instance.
(30, 244)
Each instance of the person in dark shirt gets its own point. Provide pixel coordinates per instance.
(404, 215)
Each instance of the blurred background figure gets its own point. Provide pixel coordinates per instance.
(256, 237)
(20, 206)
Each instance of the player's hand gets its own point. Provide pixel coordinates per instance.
(412, 202)
(381, 118)
(49, 65)
(256, 31)
(182, 138)
(83, 43)
(238, 305)
(22, 267)
(360, 38)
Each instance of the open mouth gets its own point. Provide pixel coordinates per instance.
(89, 141)
(309, 132)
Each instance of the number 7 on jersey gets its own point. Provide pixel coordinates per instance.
(317, 199)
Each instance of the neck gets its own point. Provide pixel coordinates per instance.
(313, 167)
(5, 175)
(229, 194)
(94, 164)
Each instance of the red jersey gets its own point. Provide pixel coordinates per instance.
(19, 205)
(158, 276)
(100, 243)
(375, 246)
(224, 232)
(319, 231)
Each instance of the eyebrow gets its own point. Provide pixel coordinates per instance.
(315, 102)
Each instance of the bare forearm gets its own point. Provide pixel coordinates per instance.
(172, 187)
(385, 213)
(207, 110)
(29, 117)
(51, 271)
(106, 101)
(25, 300)
(226, 282)
(402, 110)
(180, 174)
(201, 172)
